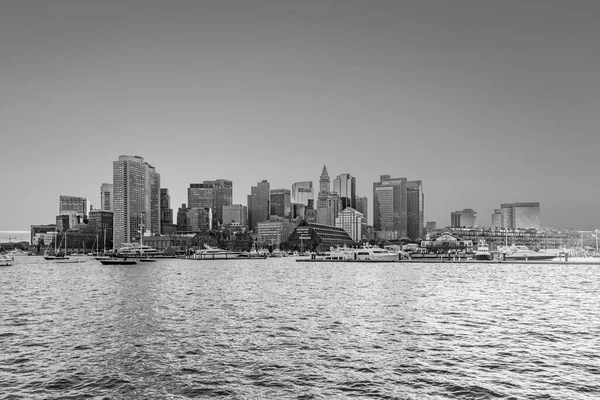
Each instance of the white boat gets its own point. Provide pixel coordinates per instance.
(522, 253)
(213, 253)
(366, 253)
(278, 253)
(17, 253)
(483, 251)
(137, 250)
(5, 260)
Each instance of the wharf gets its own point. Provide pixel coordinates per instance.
(451, 261)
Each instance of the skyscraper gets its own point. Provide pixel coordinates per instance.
(212, 194)
(345, 187)
(497, 218)
(351, 221)
(362, 206)
(106, 197)
(166, 213)
(259, 205)
(280, 203)
(136, 186)
(389, 205)
(415, 216)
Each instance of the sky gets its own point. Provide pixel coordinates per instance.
(485, 102)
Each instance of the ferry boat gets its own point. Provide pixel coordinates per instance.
(483, 251)
(519, 253)
(213, 253)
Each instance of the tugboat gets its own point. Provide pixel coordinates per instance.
(483, 251)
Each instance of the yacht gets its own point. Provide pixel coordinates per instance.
(483, 251)
(213, 253)
(366, 253)
(137, 250)
(517, 253)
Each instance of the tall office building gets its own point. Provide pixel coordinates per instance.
(345, 187)
(235, 213)
(389, 205)
(466, 218)
(415, 214)
(212, 194)
(280, 203)
(259, 203)
(152, 206)
(497, 218)
(73, 203)
(520, 215)
(328, 204)
(362, 206)
(302, 193)
(136, 186)
(106, 197)
(506, 210)
(166, 212)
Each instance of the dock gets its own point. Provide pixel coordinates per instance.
(450, 261)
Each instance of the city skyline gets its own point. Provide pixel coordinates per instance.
(484, 103)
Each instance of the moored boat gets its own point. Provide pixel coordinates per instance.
(483, 251)
(213, 253)
(118, 261)
(5, 261)
(522, 253)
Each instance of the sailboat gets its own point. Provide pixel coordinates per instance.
(58, 255)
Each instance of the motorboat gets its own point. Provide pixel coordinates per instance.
(118, 261)
(366, 253)
(213, 253)
(5, 260)
(483, 251)
(522, 253)
(278, 253)
(137, 250)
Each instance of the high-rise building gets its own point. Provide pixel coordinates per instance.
(106, 197)
(212, 194)
(389, 205)
(351, 221)
(497, 218)
(259, 203)
(430, 226)
(302, 192)
(362, 206)
(73, 203)
(136, 186)
(520, 215)
(152, 211)
(328, 204)
(183, 220)
(200, 219)
(466, 218)
(235, 213)
(280, 203)
(415, 214)
(166, 212)
(506, 211)
(345, 187)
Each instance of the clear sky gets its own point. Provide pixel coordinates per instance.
(486, 102)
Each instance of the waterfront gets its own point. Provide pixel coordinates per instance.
(275, 328)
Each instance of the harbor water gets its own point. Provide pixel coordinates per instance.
(279, 329)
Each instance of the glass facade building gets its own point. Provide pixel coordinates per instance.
(345, 187)
(73, 203)
(259, 203)
(281, 203)
(302, 193)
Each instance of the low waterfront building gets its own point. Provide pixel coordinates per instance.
(532, 238)
(317, 237)
(446, 242)
(166, 242)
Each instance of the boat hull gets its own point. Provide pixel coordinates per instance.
(217, 256)
(118, 261)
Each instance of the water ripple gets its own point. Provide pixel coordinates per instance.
(181, 329)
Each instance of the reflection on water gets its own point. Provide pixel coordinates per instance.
(281, 329)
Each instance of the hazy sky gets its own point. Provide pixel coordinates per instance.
(486, 102)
